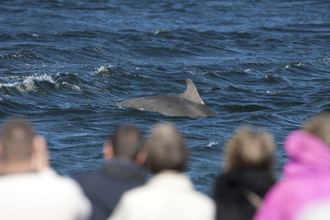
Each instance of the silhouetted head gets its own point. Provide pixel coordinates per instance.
(319, 125)
(16, 140)
(126, 142)
(248, 149)
(167, 149)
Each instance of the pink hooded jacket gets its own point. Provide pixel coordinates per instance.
(306, 178)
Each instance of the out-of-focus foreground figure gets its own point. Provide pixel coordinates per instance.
(29, 188)
(249, 164)
(304, 191)
(124, 156)
(169, 194)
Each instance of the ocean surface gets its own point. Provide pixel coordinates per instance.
(65, 64)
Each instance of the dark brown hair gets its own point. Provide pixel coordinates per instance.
(127, 141)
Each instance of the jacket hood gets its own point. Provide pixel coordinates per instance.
(307, 154)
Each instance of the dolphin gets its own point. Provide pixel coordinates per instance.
(188, 103)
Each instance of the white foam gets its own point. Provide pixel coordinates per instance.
(28, 82)
(72, 86)
(295, 64)
(44, 77)
(247, 70)
(103, 69)
(35, 35)
(212, 144)
(160, 31)
(8, 84)
(76, 87)
(141, 76)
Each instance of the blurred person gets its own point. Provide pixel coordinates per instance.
(306, 176)
(124, 157)
(169, 194)
(249, 166)
(29, 188)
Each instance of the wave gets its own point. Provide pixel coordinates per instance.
(160, 32)
(325, 59)
(104, 69)
(212, 144)
(246, 108)
(28, 83)
(297, 64)
(44, 83)
(5, 37)
(27, 54)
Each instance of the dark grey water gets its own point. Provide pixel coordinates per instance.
(65, 64)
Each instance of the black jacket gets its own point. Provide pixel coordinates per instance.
(230, 193)
(105, 187)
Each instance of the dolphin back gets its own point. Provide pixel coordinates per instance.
(188, 103)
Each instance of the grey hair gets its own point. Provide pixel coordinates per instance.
(167, 149)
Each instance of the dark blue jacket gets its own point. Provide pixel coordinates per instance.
(105, 187)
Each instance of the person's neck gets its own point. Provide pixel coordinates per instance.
(16, 167)
(116, 158)
(170, 171)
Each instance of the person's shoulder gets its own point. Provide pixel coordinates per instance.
(137, 191)
(136, 195)
(89, 178)
(201, 204)
(61, 183)
(20, 181)
(202, 197)
(287, 188)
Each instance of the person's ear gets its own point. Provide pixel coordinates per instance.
(107, 150)
(1, 151)
(40, 154)
(141, 157)
(39, 144)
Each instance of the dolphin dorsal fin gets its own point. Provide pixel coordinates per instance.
(191, 92)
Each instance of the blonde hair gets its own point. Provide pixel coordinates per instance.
(248, 149)
(319, 125)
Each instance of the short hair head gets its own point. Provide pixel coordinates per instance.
(16, 139)
(127, 141)
(166, 148)
(248, 149)
(319, 125)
